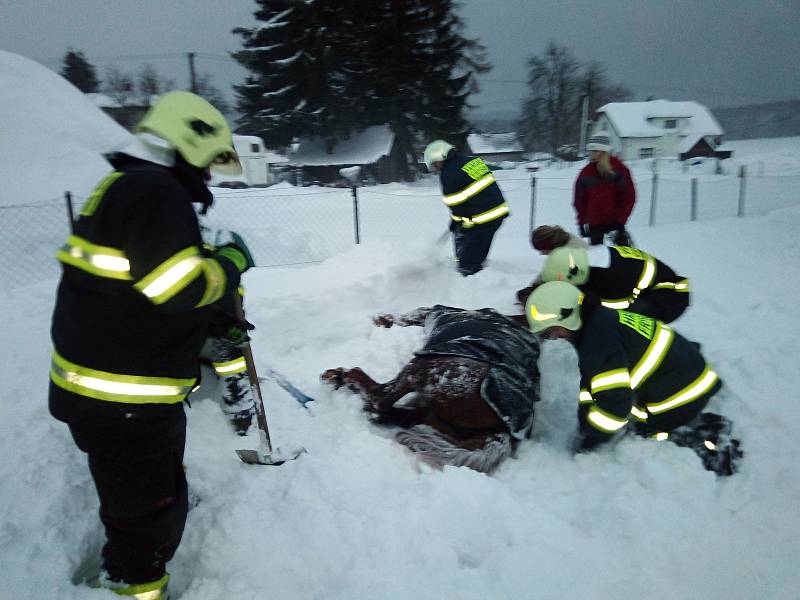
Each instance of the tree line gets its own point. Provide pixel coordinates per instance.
(331, 69)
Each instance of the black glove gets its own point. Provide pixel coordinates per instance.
(583, 230)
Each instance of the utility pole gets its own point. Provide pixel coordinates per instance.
(584, 119)
(192, 77)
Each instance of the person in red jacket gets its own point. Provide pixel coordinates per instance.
(604, 194)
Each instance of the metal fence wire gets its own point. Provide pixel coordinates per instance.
(293, 226)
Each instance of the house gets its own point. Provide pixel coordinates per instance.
(495, 147)
(373, 149)
(661, 129)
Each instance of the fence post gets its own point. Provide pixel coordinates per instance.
(355, 213)
(533, 199)
(70, 215)
(742, 180)
(694, 199)
(653, 197)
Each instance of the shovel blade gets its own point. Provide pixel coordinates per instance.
(277, 457)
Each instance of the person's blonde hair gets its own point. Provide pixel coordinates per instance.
(604, 165)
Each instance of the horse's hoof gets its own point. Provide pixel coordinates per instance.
(334, 377)
(383, 320)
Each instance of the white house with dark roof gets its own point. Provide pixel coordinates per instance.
(660, 129)
(495, 147)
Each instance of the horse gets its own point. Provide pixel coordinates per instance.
(474, 384)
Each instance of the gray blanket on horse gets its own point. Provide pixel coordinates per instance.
(512, 385)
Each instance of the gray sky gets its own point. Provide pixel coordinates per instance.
(719, 52)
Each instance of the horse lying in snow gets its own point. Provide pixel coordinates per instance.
(475, 382)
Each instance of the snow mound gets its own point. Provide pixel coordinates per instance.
(51, 136)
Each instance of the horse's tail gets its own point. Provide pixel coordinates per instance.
(438, 450)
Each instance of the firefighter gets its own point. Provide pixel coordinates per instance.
(475, 201)
(545, 239)
(623, 278)
(132, 312)
(634, 369)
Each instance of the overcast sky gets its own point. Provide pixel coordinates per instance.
(719, 52)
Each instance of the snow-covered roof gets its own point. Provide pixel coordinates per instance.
(52, 137)
(362, 148)
(633, 119)
(493, 143)
(106, 101)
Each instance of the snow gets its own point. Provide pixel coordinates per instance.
(50, 132)
(363, 148)
(357, 516)
(631, 119)
(489, 143)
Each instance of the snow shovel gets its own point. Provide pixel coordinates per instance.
(265, 455)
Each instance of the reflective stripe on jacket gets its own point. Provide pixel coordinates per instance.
(470, 191)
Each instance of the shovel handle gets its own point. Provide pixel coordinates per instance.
(247, 352)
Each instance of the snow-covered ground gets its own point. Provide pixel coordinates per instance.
(358, 517)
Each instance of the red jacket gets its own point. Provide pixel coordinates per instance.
(601, 201)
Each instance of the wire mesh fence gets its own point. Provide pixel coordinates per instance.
(292, 226)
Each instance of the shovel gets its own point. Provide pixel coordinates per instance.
(266, 454)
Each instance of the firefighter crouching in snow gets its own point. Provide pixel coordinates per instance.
(475, 201)
(634, 369)
(131, 316)
(623, 278)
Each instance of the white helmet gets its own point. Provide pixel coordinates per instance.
(436, 151)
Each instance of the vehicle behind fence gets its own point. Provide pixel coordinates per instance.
(286, 225)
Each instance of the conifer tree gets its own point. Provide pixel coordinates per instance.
(78, 71)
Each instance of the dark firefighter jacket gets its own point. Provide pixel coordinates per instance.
(634, 367)
(639, 282)
(470, 191)
(133, 304)
(512, 384)
(600, 200)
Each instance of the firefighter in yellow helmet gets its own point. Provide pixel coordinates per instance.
(132, 312)
(635, 371)
(477, 207)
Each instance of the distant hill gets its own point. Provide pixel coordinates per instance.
(494, 121)
(775, 119)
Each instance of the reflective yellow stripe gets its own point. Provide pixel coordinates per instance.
(215, 281)
(93, 202)
(605, 422)
(680, 286)
(484, 217)
(661, 436)
(102, 261)
(584, 397)
(237, 365)
(651, 359)
(113, 387)
(152, 590)
(617, 304)
(473, 188)
(639, 414)
(648, 272)
(691, 392)
(171, 276)
(617, 378)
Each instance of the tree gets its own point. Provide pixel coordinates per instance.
(557, 82)
(78, 71)
(118, 85)
(149, 83)
(208, 91)
(330, 69)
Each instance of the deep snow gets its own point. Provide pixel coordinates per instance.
(358, 517)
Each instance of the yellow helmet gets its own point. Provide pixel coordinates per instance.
(554, 303)
(567, 264)
(197, 130)
(436, 151)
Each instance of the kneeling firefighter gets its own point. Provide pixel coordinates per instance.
(634, 368)
(132, 312)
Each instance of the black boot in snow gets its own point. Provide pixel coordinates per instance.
(709, 435)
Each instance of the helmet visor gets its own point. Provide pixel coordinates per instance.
(226, 163)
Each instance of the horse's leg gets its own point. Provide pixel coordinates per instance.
(414, 318)
(380, 398)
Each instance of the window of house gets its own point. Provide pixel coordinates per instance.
(670, 123)
(253, 147)
(646, 152)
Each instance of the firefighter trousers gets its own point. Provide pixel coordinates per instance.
(137, 467)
